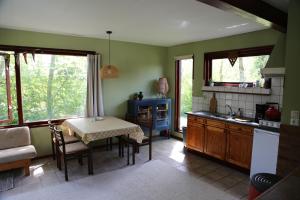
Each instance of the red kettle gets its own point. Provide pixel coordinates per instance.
(272, 114)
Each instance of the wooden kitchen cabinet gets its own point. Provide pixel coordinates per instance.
(195, 134)
(221, 139)
(195, 137)
(239, 147)
(215, 142)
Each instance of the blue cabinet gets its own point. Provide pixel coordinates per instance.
(157, 109)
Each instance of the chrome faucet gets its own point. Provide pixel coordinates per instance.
(231, 113)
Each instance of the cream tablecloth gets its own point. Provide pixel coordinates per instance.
(91, 130)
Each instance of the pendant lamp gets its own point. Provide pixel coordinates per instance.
(109, 71)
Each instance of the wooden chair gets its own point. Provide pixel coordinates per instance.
(67, 138)
(126, 140)
(76, 150)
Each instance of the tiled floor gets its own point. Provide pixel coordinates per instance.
(235, 183)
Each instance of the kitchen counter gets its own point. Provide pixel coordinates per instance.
(287, 188)
(223, 117)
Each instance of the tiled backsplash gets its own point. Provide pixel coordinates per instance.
(246, 102)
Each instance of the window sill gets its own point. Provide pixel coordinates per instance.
(35, 124)
(226, 89)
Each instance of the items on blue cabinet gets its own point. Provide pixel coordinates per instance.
(135, 96)
(157, 109)
(140, 96)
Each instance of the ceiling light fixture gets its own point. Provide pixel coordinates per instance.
(109, 71)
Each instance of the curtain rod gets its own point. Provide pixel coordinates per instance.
(23, 49)
(184, 57)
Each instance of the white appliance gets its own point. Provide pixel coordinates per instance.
(264, 151)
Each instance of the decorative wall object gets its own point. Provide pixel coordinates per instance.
(162, 86)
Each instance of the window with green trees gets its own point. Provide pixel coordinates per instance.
(245, 69)
(232, 67)
(51, 86)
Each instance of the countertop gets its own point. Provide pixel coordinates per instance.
(212, 116)
(287, 188)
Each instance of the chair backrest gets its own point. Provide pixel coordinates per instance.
(59, 138)
(145, 123)
(51, 127)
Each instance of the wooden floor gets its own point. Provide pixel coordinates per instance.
(170, 151)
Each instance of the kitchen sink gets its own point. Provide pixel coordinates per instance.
(242, 119)
(221, 116)
(238, 119)
(225, 117)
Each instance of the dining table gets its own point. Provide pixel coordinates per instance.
(91, 129)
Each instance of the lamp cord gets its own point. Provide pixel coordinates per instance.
(109, 49)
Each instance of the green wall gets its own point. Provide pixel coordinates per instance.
(252, 39)
(291, 96)
(139, 65)
(277, 58)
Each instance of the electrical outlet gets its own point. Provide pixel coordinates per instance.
(294, 118)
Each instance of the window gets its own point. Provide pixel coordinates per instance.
(41, 84)
(5, 94)
(53, 86)
(246, 67)
(183, 97)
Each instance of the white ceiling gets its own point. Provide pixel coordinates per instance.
(156, 22)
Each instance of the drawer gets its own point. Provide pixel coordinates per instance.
(240, 128)
(215, 123)
(195, 120)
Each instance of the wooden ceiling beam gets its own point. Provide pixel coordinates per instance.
(255, 10)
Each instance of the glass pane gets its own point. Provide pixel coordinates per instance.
(246, 69)
(3, 91)
(3, 97)
(53, 86)
(186, 81)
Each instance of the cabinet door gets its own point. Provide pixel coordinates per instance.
(215, 142)
(239, 148)
(195, 137)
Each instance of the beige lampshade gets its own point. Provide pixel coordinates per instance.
(109, 71)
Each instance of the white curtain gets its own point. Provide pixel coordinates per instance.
(94, 100)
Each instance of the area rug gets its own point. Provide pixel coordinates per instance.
(8, 179)
(154, 180)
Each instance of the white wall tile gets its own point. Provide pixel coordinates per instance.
(276, 82)
(265, 99)
(249, 113)
(276, 90)
(235, 97)
(242, 104)
(221, 102)
(257, 99)
(228, 96)
(249, 98)
(242, 97)
(245, 101)
(249, 106)
(275, 98)
(222, 96)
(228, 102)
